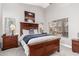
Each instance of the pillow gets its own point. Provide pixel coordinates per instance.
(30, 21)
(26, 32)
(36, 31)
(31, 31)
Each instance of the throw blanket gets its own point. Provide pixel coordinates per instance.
(29, 37)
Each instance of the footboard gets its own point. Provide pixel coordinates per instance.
(44, 48)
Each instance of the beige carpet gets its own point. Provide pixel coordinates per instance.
(64, 51)
(13, 52)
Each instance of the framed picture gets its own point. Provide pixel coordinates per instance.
(29, 17)
(8, 22)
(59, 27)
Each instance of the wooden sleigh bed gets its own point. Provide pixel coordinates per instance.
(43, 48)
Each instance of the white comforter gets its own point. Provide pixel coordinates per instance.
(34, 40)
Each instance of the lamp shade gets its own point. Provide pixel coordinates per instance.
(12, 27)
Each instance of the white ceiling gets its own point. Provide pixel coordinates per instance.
(44, 5)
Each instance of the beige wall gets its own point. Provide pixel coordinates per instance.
(63, 10)
(0, 20)
(16, 10)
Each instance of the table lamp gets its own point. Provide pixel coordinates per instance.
(12, 27)
(41, 28)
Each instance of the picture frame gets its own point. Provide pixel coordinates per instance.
(29, 17)
(8, 22)
(59, 27)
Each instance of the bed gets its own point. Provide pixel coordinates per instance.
(39, 45)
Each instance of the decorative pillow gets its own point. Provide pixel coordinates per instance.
(26, 32)
(30, 21)
(31, 31)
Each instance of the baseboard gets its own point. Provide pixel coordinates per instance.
(66, 45)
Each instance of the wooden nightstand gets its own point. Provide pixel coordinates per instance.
(10, 42)
(75, 46)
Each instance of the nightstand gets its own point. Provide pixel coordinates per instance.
(10, 42)
(75, 45)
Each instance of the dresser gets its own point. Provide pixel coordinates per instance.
(10, 42)
(75, 45)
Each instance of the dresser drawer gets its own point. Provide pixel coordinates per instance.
(10, 42)
(75, 42)
(75, 46)
(76, 49)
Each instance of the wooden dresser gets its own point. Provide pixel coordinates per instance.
(75, 46)
(10, 42)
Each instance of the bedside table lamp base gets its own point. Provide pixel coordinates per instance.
(12, 33)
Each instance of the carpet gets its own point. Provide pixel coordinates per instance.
(64, 51)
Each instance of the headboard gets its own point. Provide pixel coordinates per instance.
(27, 26)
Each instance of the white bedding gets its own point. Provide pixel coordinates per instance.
(42, 39)
(25, 47)
(34, 40)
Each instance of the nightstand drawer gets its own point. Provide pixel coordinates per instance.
(76, 49)
(8, 46)
(75, 46)
(10, 42)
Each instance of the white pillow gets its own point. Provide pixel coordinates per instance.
(26, 32)
(36, 31)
